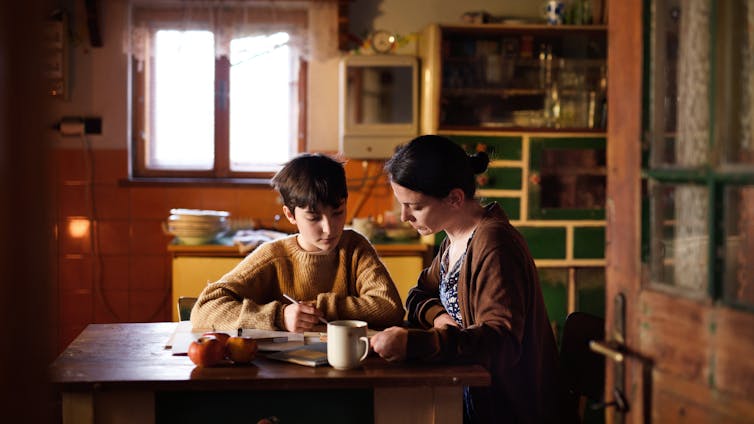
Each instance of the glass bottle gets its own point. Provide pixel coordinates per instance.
(552, 107)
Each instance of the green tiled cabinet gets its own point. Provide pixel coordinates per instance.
(531, 97)
(566, 240)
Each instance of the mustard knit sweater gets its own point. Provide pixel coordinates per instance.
(348, 282)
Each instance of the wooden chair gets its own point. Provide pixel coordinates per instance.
(185, 303)
(582, 371)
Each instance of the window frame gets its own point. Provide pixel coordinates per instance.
(141, 81)
(716, 175)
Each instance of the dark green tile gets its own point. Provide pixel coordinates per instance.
(498, 148)
(590, 291)
(511, 205)
(503, 178)
(545, 242)
(553, 282)
(589, 242)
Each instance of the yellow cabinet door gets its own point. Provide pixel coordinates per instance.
(404, 270)
(192, 273)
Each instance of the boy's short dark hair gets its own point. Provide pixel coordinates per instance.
(310, 180)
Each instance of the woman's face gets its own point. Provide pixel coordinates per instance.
(426, 214)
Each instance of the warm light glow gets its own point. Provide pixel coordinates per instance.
(78, 227)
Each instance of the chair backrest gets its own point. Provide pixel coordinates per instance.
(582, 371)
(185, 303)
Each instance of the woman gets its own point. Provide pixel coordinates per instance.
(480, 299)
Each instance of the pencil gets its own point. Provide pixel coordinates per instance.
(294, 301)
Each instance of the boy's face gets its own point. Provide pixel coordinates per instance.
(320, 229)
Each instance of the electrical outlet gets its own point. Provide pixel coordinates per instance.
(72, 126)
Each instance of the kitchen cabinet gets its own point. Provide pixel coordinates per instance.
(195, 266)
(532, 97)
(514, 77)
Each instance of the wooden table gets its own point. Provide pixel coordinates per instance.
(123, 373)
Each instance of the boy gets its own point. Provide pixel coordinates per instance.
(332, 272)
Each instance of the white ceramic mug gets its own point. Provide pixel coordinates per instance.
(347, 343)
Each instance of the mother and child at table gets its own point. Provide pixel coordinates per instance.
(478, 302)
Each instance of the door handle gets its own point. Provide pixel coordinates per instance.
(616, 351)
(610, 349)
(619, 402)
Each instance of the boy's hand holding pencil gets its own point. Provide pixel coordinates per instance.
(301, 316)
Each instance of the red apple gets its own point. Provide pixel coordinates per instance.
(242, 350)
(223, 337)
(206, 351)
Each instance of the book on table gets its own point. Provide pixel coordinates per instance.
(311, 355)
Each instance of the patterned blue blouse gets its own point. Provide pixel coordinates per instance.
(449, 284)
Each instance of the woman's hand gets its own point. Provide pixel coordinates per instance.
(444, 319)
(390, 343)
(301, 317)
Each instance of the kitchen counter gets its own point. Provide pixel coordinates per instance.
(196, 266)
(225, 248)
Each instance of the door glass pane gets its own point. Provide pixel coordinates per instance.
(183, 130)
(736, 82)
(679, 237)
(738, 280)
(262, 102)
(680, 77)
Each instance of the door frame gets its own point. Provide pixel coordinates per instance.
(623, 206)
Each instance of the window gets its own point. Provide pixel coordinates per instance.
(699, 167)
(219, 89)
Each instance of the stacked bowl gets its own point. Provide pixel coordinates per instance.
(197, 226)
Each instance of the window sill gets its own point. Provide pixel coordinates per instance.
(193, 182)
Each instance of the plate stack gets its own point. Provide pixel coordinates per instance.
(196, 226)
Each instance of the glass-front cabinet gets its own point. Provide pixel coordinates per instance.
(533, 97)
(526, 77)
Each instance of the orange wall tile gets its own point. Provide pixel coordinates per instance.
(111, 306)
(114, 273)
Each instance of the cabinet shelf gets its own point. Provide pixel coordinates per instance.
(509, 127)
(502, 92)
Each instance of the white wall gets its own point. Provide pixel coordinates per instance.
(99, 76)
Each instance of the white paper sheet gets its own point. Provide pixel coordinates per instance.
(184, 334)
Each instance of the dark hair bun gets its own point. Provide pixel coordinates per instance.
(479, 162)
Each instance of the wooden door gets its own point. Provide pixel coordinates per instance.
(680, 211)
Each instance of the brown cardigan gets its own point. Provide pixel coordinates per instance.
(505, 325)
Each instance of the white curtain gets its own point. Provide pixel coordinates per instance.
(312, 25)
